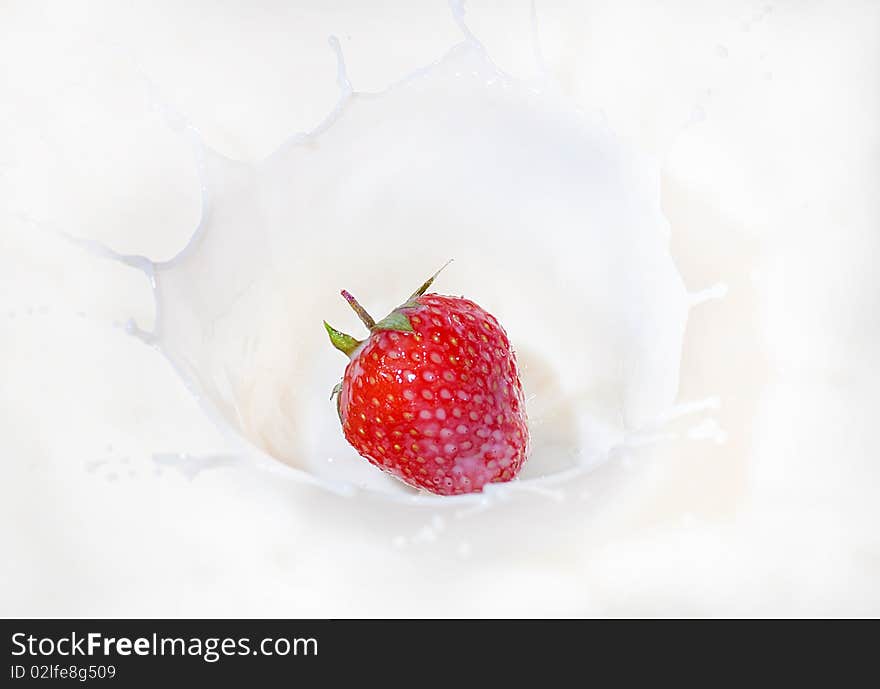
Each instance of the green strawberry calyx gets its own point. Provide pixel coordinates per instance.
(397, 320)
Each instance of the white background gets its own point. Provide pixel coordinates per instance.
(765, 115)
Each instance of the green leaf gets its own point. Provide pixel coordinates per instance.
(337, 390)
(426, 284)
(396, 320)
(344, 343)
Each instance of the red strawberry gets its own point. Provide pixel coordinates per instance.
(433, 395)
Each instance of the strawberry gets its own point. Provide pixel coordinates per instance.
(433, 395)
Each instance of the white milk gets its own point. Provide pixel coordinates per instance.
(555, 226)
(754, 493)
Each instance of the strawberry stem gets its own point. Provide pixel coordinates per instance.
(366, 318)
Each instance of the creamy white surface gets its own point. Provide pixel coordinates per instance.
(557, 227)
(765, 190)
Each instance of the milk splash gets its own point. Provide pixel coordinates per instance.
(555, 225)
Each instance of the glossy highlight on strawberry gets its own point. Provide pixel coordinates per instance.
(433, 395)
